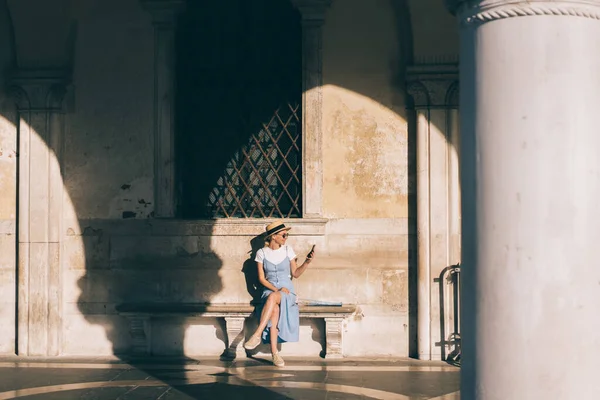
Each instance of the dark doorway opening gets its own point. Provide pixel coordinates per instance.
(239, 91)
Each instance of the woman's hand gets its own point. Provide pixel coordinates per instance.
(310, 255)
(284, 290)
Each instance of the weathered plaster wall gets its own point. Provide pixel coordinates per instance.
(366, 170)
(8, 195)
(363, 250)
(365, 130)
(110, 262)
(113, 251)
(108, 169)
(108, 164)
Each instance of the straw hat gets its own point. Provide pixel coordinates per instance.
(275, 227)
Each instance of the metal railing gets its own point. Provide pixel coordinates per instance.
(449, 295)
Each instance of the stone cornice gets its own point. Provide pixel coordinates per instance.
(480, 11)
(174, 227)
(312, 10)
(433, 85)
(39, 89)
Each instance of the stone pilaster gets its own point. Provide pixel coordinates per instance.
(529, 163)
(38, 96)
(164, 17)
(313, 17)
(433, 89)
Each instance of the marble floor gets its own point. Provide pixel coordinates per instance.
(244, 378)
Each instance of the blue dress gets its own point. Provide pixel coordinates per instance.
(279, 275)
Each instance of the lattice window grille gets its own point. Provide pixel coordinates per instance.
(263, 178)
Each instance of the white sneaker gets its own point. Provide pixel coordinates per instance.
(252, 343)
(278, 360)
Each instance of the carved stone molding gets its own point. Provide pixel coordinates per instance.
(39, 90)
(235, 335)
(472, 12)
(313, 11)
(419, 93)
(433, 86)
(334, 333)
(452, 95)
(19, 96)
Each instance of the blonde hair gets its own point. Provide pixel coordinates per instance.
(268, 240)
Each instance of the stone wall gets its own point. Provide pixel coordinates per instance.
(362, 242)
(109, 261)
(108, 162)
(114, 250)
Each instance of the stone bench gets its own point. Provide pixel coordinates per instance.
(140, 316)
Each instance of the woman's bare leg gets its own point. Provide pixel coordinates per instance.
(274, 329)
(273, 301)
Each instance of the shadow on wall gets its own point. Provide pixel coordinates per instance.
(250, 271)
(225, 94)
(146, 265)
(137, 261)
(403, 25)
(224, 97)
(134, 261)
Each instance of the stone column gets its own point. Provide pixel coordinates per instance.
(38, 96)
(164, 17)
(433, 89)
(530, 187)
(313, 17)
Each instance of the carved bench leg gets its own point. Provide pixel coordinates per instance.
(139, 339)
(334, 336)
(235, 336)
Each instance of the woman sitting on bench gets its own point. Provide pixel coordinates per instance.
(280, 317)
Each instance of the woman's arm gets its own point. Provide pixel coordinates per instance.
(262, 279)
(299, 270)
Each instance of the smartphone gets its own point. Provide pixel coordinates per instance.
(310, 253)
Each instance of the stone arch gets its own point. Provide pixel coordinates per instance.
(53, 48)
(452, 95)
(10, 31)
